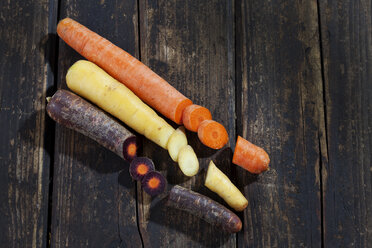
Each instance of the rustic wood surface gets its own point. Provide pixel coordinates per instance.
(346, 33)
(26, 139)
(291, 76)
(280, 107)
(94, 198)
(189, 43)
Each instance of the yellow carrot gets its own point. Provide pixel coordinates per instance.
(94, 84)
(221, 184)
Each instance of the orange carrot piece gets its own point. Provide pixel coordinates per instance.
(193, 115)
(145, 83)
(250, 157)
(212, 134)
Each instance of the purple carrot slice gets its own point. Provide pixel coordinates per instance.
(154, 183)
(140, 166)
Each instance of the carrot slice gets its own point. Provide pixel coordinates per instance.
(250, 157)
(154, 183)
(212, 134)
(145, 83)
(140, 166)
(193, 115)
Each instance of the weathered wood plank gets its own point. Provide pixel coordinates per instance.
(25, 146)
(94, 200)
(347, 177)
(191, 45)
(280, 108)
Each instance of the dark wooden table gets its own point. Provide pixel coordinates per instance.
(292, 76)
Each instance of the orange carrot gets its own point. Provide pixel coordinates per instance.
(250, 157)
(212, 134)
(193, 115)
(145, 83)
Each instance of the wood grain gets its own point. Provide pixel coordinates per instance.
(271, 71)
(347, 177)
(94, 200)
(280, 108)
(25, 76)
(191, 45)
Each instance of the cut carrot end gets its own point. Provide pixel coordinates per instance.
(130, 148)
(193, 115)
(179, 110)
(250, 157)
(213, 134)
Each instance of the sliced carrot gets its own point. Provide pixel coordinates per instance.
(250, 157)
(212, 134)
(92, 82)
(193, 115)
(154, 183)
(145, 83)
